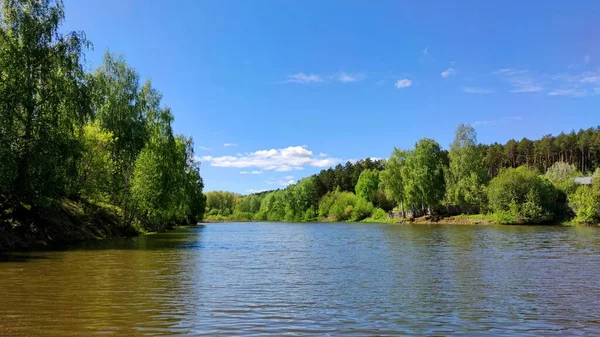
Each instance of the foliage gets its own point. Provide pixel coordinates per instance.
(379, 214)
(100, 137)
(586, 203)
(391, 177)
(95, 166)
(43, 96)
(466, 174)
(423, 176)
(362, 209)
(561, 174)
(367, 185)
(520, 196)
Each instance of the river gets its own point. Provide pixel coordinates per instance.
(280, 279)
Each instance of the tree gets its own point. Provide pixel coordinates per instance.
(43, 98)
(391, 178)
(121, 108)
(95, 166)
(367, 185)
(466, 174)
(561, 174)
(423, 176)
(521, 196)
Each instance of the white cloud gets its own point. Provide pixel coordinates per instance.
(475, 90)
(425, 51)
(448, 72)
(304, 78)
(204, 148)
(403, 83)
(348, 78)
(590, 78)
(568, 92)
(521, 80)
(587, 58)
(288, 180)
(251, 172)
(514, 118)
(230, 144)
(525, 85)
(291, 158)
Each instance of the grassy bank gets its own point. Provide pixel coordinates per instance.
(60, 223)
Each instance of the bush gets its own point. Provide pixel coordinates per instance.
(379, 214)
(586, 204)
(362, 210)
(337, 206)
(521, 196)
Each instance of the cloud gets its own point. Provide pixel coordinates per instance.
(425, 51)
(587, 58)
(448, 72)
(251, 172)
(291, 158)
(568, 92)
(204, 148)
(514, 118)
(403, 83)
(288, 180)
(475, 90)
(520, 80)
(230, 144)
(304, 78)
(348, 78)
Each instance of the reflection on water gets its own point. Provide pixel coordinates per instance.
(311, 279)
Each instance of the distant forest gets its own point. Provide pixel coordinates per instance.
(459, 180)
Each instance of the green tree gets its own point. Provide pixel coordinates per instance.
(95, 166)
(562, 175)
(367, 185)
(423, 176)
(466, 174)
(121, 108)
(586, 204)
(391, 178)
(521, 196)
(43, 97)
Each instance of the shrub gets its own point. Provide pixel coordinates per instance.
(586, 204)
(521, 196)
(362, 210)
(379, 214)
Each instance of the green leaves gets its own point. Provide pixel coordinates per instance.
(423, 176)
(520, 196)
(466, 174)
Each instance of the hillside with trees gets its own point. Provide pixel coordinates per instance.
(78, 146)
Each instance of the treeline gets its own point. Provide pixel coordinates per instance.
(510, 184)
(100, 138)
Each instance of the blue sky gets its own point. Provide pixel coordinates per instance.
(273, 91)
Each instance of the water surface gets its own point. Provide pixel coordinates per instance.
(257, 279)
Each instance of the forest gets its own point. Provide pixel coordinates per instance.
(77, 145)
(520, 182)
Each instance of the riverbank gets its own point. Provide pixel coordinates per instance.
(62, 223)
(461, 219)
